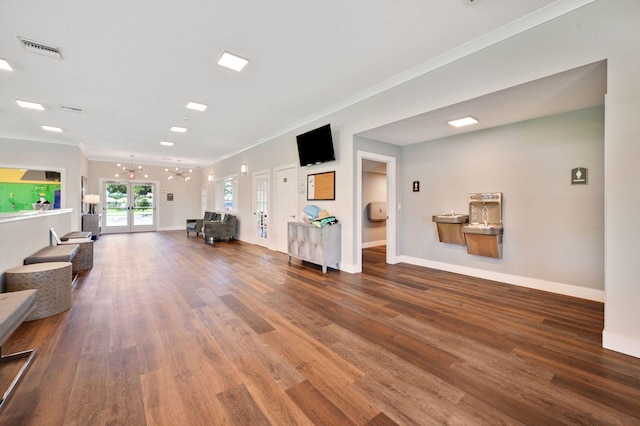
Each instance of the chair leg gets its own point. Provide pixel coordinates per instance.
(30, 354)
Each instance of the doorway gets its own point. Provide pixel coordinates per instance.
(286, 204)
(261, 208)
(129, 206)
(390, 234)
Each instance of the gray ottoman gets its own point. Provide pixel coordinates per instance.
(84, 259)
(51, 279)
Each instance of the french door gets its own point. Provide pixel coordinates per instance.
(261, 207)
(128, 207)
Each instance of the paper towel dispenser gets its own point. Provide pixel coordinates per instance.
(377, 211)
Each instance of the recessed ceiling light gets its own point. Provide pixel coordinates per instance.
(178, 129)
(30, 105)
(4, 65)
(464, 121)
(196, 106)
(165, 143)
(52, 129)
(231, 61)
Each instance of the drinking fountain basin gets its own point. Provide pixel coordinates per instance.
(450, 218)
(448, 225)
(481, 228)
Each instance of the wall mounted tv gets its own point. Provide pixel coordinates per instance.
(315, 146)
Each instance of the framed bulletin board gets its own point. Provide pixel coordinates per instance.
(321, 186)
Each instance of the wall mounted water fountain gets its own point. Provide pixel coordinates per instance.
(483, 233)
(450, 227)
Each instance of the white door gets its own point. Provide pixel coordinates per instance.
(261, 208)
(128, 207)
(286, 203)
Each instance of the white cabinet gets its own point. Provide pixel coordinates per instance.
(93, 223)
(321, 246)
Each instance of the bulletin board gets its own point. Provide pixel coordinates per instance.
(321, 186)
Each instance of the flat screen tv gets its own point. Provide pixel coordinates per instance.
(315, 146)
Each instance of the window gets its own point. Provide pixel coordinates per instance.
(227, 194)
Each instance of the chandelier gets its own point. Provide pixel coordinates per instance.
(131, 172)
(177, 173)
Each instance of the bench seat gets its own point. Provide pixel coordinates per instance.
(15, 307)
(76, 234)
(62, 253)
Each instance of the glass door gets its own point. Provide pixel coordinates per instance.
(261, 207)
(129, 207)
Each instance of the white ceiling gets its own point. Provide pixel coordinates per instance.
(132, 66)
(575, 89)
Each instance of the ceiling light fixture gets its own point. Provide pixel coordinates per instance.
(231, 61)
(464, 121)
(4, 65)
(131, 172)
(165, 143)
(179, 129)
(196, 106)
(52, 129)
(177, 174)
(30, 105)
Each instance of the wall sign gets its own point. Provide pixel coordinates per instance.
(170, 196)
(579, 176)
(416, 186)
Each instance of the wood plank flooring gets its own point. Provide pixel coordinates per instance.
(166, 330)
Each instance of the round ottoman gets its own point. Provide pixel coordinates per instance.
(51, 279)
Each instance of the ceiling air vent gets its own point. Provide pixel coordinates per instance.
(40, 48)
(71, 109)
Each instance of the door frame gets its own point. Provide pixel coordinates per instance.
(156, 198)
(391, 205)
(262, 242)
(276, 214)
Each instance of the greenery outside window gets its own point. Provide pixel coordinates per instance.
(227, 194)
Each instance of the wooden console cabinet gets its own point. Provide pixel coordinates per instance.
(321, 246)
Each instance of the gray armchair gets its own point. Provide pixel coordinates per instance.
(218, 230)
(195, 225)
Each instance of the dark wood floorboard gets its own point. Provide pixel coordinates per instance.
(166, 330)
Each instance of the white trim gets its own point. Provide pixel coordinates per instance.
(265, 242)
(350, 268)
(219, 193)
(551, 286)
(525, 23)
(621, 344)
(374, 244)
(391, 203)
(274, 217)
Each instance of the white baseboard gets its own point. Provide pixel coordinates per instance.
(374, 244)
(551, 286)
(621, 344)
(349, 267)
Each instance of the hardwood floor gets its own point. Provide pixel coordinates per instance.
(166, 330)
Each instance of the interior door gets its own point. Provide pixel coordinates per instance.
(261, 207)
(286, 204)
(130, 207)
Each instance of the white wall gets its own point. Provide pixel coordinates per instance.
(22, 238)
(553, 231)
(604, 29)
(374, 188)
(172, 215)
(68, 158)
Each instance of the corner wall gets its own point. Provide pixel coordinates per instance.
(553, 230)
